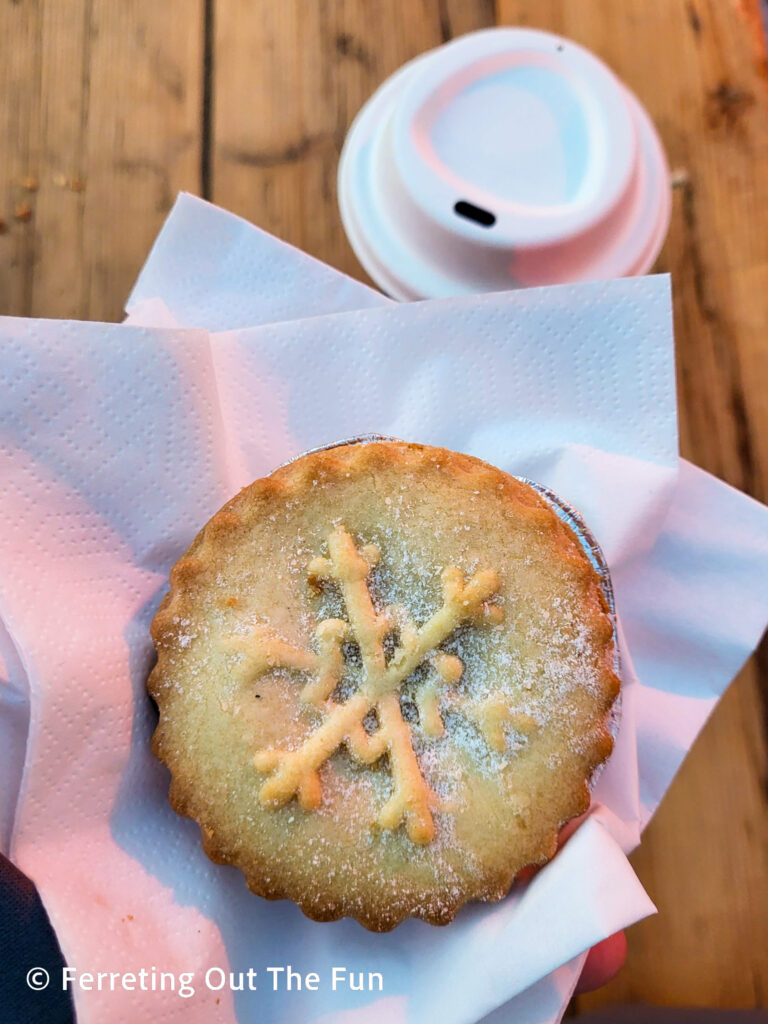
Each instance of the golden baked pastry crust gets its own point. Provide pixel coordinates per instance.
(384, 674)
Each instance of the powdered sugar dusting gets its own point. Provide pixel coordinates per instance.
(541, 664)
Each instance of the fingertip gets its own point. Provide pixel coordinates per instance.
(604, 961)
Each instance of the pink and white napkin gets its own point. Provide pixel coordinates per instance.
(119, 441)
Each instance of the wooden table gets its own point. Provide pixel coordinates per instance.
(107, 109)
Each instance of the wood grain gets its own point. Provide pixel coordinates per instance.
(280, 121)
(100, 114)
(103, 118)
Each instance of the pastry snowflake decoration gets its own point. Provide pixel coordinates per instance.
(295, 773)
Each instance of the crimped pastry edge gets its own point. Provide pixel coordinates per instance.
(290, 481)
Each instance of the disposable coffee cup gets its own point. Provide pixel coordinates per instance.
(507, 158)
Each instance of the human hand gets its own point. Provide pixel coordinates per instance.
(604, 961)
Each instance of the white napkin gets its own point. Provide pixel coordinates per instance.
(118, 442)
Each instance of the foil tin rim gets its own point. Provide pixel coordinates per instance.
(573, 519)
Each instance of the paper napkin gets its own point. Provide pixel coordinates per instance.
(119, 441)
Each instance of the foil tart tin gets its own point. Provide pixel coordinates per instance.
(573, 519)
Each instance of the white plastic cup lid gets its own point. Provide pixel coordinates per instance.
(507, 158)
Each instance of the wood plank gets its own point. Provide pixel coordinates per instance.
(699, 67)
(20, 53)
(289, 78)
(102, 112)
